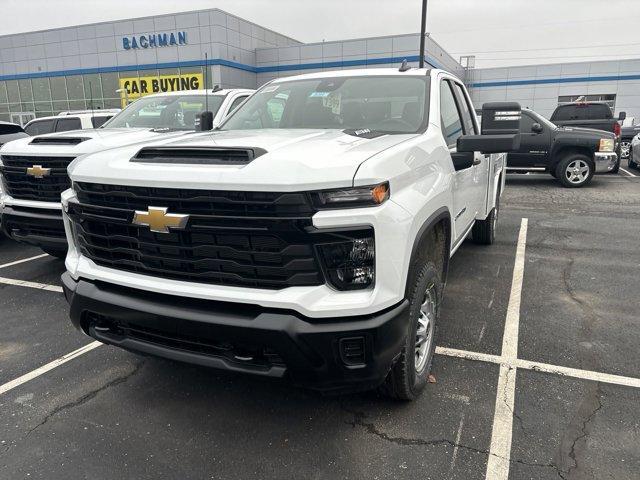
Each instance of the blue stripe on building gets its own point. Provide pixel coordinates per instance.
(542, 81)
(224, 63)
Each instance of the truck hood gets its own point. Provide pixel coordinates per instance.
(94, 141)
(295, 160)
(587, 132)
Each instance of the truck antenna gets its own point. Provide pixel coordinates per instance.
(206, 83)
(405, 66)
(91, 104)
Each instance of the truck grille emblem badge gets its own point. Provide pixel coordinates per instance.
(158, 220)
(38, 172)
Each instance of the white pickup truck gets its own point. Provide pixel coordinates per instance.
(309, 236)
(34, 169)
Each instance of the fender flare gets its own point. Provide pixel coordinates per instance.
(441, 214)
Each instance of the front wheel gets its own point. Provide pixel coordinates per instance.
(409, 375)
(575, 171)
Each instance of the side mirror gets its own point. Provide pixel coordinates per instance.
(462, 160)
(204, 122)
(488, 143)
(622, 116)
(501, 118)
(536, 128)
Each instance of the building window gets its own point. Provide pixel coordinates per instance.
(609, 99)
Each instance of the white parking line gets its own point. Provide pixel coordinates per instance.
(500, 450)
(49, 366)
(25, 283)
(11, 264)
(627, 172)
(542, 367)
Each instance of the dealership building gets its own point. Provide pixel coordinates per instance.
(104, 65)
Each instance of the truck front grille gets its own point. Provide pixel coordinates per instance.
(248, 239)
(18, 184)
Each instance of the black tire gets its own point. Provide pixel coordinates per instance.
(579, 161)
(484, 231)
(55, 252)
(405, 381)
(630, 161)
(616, 169)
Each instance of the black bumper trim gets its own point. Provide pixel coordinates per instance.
(309, 348)
(34, 226)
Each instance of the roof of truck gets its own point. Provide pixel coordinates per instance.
(362, 72)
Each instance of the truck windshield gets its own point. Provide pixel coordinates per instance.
(386, 104)
(173, 112)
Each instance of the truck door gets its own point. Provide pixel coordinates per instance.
(534, 147)
(466, 181)
(482, 162)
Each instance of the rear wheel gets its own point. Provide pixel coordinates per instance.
(575, 170)
(484, 231)
(409, 375)
(55, 252)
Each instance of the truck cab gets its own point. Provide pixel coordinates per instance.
(308, 237)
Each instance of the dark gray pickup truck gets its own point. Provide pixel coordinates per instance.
(570, 154)
(594, 115)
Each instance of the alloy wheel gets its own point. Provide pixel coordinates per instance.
(425, 330)
(577, 171)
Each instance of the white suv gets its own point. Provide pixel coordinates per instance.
(309, 236)
(66, 121)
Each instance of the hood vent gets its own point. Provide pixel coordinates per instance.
(57, 140)
(199, 155)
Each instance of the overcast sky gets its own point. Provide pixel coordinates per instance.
(498, 32)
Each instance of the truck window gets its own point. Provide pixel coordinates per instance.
(526, 122)
(66, 124)
(237, 102)
(469, 125)
(582, 111)
(39, 127)
(450, 121)
(99, 121)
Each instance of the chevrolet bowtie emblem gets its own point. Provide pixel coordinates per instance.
(158, 220)
(38, 172)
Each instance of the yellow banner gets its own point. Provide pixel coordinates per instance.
(136, 87)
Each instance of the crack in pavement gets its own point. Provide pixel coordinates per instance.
(370, 427)
(583, 430)
(87, 397)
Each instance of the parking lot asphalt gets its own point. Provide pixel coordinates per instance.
(111, 414)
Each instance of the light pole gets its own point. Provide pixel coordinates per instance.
(423, 32)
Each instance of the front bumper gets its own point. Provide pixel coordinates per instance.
(40, 227)
(605, 161)
(242, 337)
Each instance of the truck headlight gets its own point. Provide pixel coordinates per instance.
(350, 264)
(369, 196)
(606, 145)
